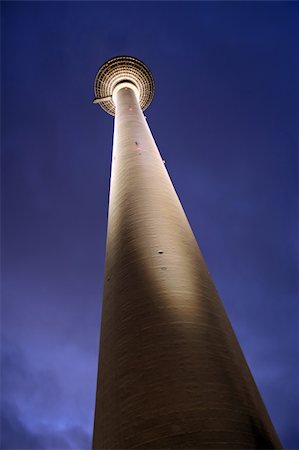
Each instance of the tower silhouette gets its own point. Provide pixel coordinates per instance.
(171, 372)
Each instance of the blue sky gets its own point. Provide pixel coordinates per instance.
(224, 117)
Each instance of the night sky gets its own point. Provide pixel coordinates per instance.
(224, 117)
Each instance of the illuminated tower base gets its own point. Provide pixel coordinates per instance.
(171, 372)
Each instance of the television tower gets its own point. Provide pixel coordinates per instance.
(171, 372)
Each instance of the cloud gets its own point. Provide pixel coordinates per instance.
(31, 408)
(15, 434)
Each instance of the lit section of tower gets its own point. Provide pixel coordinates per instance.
(171, 372)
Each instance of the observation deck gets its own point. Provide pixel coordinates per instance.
(123, 69)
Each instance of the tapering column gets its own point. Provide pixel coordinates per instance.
(171, 372)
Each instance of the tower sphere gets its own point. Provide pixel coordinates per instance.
(118, 70)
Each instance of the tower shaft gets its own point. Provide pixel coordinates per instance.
(171, 372)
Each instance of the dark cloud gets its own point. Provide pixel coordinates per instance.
(28, 394)
(18, 436)
(15, 435)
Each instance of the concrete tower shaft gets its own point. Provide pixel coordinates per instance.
(171, 372)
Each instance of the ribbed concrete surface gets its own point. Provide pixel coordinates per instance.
(171, 372)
